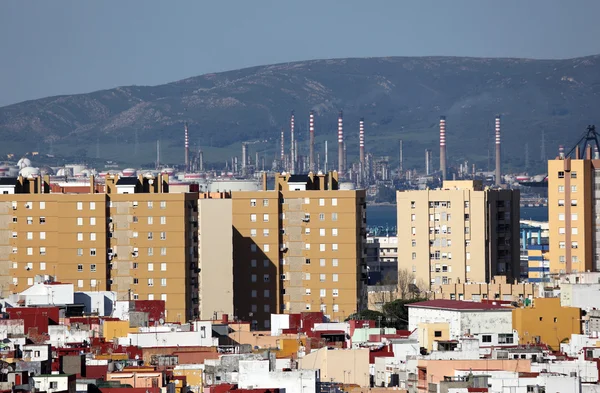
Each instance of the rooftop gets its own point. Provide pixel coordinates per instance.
(127, 181)
(298, 179)
(458, 305)
(8, 181)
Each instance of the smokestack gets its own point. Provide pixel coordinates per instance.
(498, 162)
(401, 163)
(187, 149)
(292, 146)
(361, 146)
(443, 146)
(158, 154)
(340, 144)
(427, 162)
(256, 162)
(282, 149)
(244, 157)
(201, 161)
(311, 130)
(326, 158)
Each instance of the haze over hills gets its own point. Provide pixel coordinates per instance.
(399, 97)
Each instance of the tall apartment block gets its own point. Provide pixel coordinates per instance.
(298, 248)
(574, 211)
(459, 233)
(135, 238)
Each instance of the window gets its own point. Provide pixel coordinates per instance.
(265, 202)
(335, 277)
(335, 292)
(334, 262)
(336, 308)
(150, 282)
(93, 236)
(573, 202)
(322, 262)
(573, 245)
(266, 308)
(253, 277)
(414, 255)
(253, 247)
(93, 267)
(561, 216)
(574, 217)
(253, 202)
(561, 188)
(561, 202)
(163, 220)
(321, 247)
(79, 268)
(322, 232)
(322, 277)
(334, 216)
(252, 217)
(307, 261)
(333, 201)
(413, 230)
(561, 244)
(92, 252)
(29, 220)
(265, 232)
(561, 258)
(561, 231)
(307, 306)
(163, 251)
(42, 250)
(574, 188)
(574, 259)
(163, 204)
(265, 217)
(79, 236)
(334, 247)
(42, 235)
(574, 231)
(92, 220)
(150, 267)
(334, 232)
(486, 338)
(29, 250)
(321, 216)
(266, 293)
(163, 236)
(79, 221)
(150, 220)
(14, 235)
(266, 278)
(322, 293)
(468, 255)
(253, 263)
(267, 248)
(79, 205)
(307, 291)
(163, 282)
(80, 252)
(253, 293)
(437, 333)
(561, 174)
(42, 205)
(413, 217)
(321, 201)
(266, 263)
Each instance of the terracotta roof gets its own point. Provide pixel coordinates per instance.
(457, 305)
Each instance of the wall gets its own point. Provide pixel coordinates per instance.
(96, 302)
(427, 333)
(215, 257)
(344, 366)
(193, 374)
(112, 329)
(547, 320)
(255, 374)
(579, 295)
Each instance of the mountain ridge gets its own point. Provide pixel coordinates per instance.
(400, 98)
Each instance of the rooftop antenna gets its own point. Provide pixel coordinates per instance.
(589, 138)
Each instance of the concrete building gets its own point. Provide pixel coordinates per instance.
(459, 233)
(215, 256)
(382, 260)
(135, 239)
(344, 366)
(497, 289)
(546, 322)
(256, 374)
(573, 204)
(463, 318)
(299, 248)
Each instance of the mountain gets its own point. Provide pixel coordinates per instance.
(399, 97)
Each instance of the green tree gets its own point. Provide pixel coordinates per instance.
(396, 312)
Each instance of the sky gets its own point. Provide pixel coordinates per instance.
(66, 47)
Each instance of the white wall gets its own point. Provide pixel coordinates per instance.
(255, 374)
(61, 335)
(587, 370)
(463, 322)
(42, 294)
(172, 339)
(101, 302)
(404, 349)
(579, 295)
(42, 383)
(278, 323)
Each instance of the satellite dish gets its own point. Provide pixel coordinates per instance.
(119, 366)
(4, 371)
(161, 321)
(137, 357)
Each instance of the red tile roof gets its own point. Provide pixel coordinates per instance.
(459, 305)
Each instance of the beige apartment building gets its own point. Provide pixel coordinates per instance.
(299, 248)
(573, 212)
(460, 233)
(135, 239)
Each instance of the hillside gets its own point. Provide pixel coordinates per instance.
(400, 98)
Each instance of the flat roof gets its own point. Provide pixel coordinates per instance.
(458, 305)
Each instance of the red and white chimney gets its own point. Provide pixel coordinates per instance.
(498, 157)
(340, 144)
(443, 146)
(311, 131)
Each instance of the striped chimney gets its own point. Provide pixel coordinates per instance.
(361, 141)
(187, 148)
(282, 148)
(340, 144)
(443, 146)
(311, 131)
(498, 157)
(292, 147)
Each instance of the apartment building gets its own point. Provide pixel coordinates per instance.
(573, 212)
(299, 247)
(135, 239)
(459, 233)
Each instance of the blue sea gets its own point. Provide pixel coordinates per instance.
(382, 219)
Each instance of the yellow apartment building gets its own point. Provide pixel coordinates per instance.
(573, 212)
(460, 233)
(298, 248)
(135, 239)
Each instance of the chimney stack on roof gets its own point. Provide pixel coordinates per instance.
(498, 156)
(340, 144)
(443, 146)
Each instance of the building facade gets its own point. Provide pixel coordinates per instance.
(458, 233)
(299, 248)
(573, 208)
(135, 239)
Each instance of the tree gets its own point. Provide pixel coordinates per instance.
(384, 291)
(397, 312)
(408, 285)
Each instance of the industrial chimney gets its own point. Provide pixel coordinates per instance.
(361, 144)
(443, 146)
(311, 130)
(427, 162)
(187, 149)
(244, 157)
(293, 146)
(340, 144)
(282, 149)
(498, 161)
